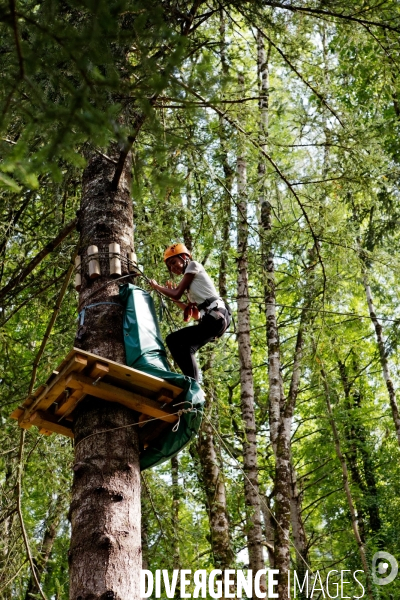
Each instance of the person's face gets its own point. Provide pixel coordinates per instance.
(176, 265)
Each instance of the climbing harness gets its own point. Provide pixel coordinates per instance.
(216, 308)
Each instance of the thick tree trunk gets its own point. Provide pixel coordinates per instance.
(252, 497)
(105, 551)
(383, 357)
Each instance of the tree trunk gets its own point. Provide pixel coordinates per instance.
(212, 479)
(214, 487)
(46, 547)
(175, 512)
(269, 526)
(358, 448)
(105, 551)
(383, 357)
(226, 203)
(279, 424)
(252, 497)
(345, 474)
(299, 532)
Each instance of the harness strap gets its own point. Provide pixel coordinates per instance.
(207, 302)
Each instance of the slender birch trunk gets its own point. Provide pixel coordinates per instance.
(226, 204)
(346, 485)
(214, 487)
(46, 547)
(175, 512)
(252, 497)
(383, 357)
(105, 550)
(186, 214)
(212, 478)
(358, 448)
(280, 424)
(269, 527)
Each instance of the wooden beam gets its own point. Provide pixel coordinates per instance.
(131, 375)
(99, 369)
(56, 387)
(108, 392)
(45, 421)
(165, 395)
(68, 403)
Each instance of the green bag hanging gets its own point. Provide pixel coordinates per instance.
(145, 351)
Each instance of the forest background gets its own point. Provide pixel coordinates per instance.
(266, 137)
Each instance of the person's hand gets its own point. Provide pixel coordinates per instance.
(191, 312)
(195, 313)
(153, 283)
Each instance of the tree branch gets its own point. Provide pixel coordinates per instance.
(38, 258)
(295, 70)
(276, 168)
(329, 13)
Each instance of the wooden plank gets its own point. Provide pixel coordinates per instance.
(130, 375)
(45, 421)
(45, 432)
(98, 370)
(16, 413)
(56, 387)
(111, 393)
(68, 403)
(164, 395)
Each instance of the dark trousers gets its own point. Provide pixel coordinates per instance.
(185, 342)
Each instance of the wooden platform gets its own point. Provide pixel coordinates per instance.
(52, 405)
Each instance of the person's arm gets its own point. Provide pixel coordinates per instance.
(174, 293)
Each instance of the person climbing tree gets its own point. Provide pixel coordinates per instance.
(204, 305)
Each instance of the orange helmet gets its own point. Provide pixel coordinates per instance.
(176, 250)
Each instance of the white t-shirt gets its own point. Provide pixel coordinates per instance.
(202, 286)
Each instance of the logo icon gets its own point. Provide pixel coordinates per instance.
(380, 565)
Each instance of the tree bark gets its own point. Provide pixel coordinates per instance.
(105, 551)
(251, 486)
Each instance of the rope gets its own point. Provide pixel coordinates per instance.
(179, 413)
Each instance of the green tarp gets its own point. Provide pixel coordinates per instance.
(145, 351)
